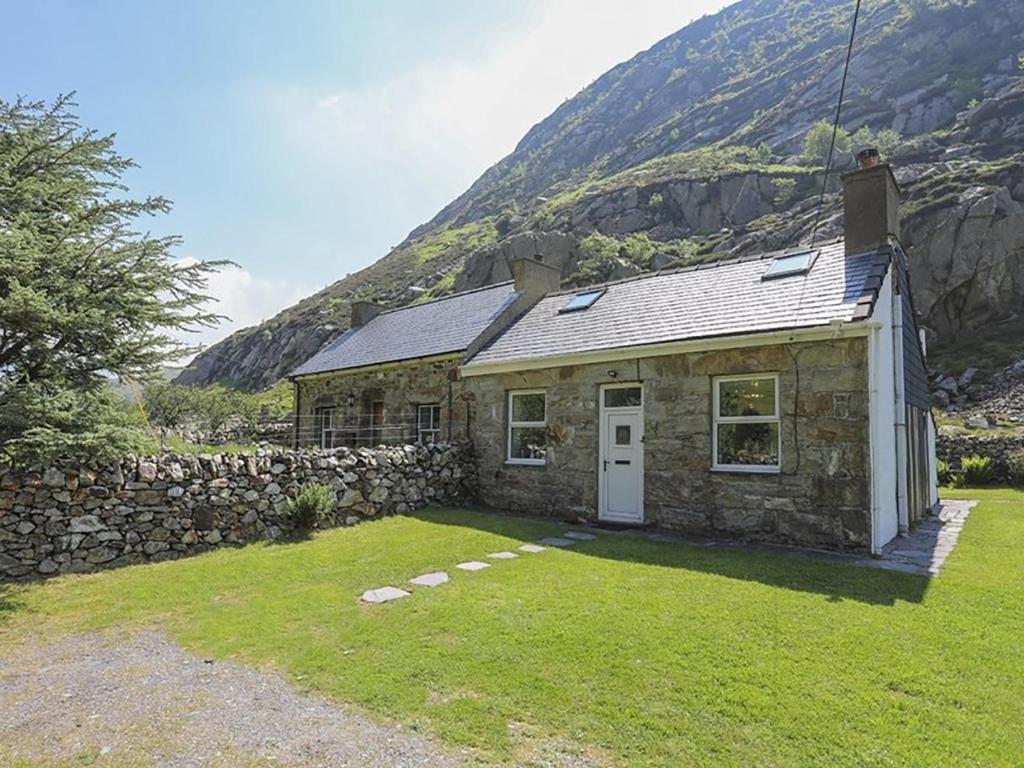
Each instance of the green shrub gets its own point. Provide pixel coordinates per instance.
(978, 470)
(312, 507)
(1015, 462)
(943, 471)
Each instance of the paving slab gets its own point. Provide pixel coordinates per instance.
(383, 594)
(557, 541)
(502, 555)
(433, 579)
(579, 535)
(473, 565)
(532, 548)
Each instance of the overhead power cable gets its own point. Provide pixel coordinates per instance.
(835, 124)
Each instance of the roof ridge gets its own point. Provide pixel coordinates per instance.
(439, 299)
(697, 266)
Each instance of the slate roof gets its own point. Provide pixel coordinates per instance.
(447, 325)
(723, 298)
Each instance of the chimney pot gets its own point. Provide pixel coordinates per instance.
(868, 158)
(871, 207)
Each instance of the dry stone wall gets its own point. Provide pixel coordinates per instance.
(74, 519)
(953, 448)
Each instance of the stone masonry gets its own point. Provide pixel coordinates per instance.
(74, 519)
(820, 498)
(401, 388)
(953, 448)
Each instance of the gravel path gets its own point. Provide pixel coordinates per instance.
(143, 701)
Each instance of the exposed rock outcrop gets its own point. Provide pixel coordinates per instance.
(758, 73)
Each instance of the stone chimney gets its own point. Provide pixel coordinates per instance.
(534, 278)
(363, 312)
(871, 204)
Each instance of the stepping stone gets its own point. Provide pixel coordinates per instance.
(531, 548)
(502, 555)
(435, 579)
(383, 594)
(473, 565)
(579, 536)
(557, 541)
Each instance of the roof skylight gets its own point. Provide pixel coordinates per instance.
(582, 301)
(790, 264)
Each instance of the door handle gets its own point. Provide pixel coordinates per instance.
(605, 462)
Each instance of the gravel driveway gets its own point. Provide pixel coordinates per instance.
(143, 701)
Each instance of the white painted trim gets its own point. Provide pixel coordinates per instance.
(523, 425)
(881, 417)
(716, 420)
(814, 333)
(899, 393)
(603, 437)
(622, 385)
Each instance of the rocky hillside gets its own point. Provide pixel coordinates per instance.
(692, 150)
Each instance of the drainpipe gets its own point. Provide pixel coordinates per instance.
(451, 410)
(903, 514)
(297, 419)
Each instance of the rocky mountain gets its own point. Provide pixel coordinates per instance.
(692, 150)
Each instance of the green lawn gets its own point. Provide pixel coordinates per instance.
(635, 652)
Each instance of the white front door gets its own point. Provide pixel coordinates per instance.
(621, 465)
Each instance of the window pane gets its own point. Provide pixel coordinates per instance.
(430, 416)
(528, 443)
(746, 397)
(753, 444)
(626, 397)
(528, 407)
(790, 264)
(622, 434)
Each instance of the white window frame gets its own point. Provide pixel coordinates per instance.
(524, 424)
(717, 419)
(326, 416)
(435, 424)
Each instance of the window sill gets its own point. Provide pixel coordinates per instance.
(743, 469)
(526, 462)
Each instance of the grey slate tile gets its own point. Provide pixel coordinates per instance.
(449, 324)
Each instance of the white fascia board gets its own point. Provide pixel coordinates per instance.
(813, 333)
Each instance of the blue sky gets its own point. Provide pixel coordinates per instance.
(302, 140)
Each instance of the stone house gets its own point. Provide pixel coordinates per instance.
(778, 397)
(393, 376)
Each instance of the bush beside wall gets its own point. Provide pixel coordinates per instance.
(72, 518)
(1001, 449)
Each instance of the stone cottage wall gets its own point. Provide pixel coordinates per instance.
(74, 519)
(821, 498)
(400, 387)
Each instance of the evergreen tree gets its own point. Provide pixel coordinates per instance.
(83, 295)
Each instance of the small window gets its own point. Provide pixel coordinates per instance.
(428, 423)
(325, 419)
(790, 264)
(747, 435)
(582, 301)
(527, 427)
(623, 435)
(622, 397)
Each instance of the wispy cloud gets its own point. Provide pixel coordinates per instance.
(451, 119)
(244, 299)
